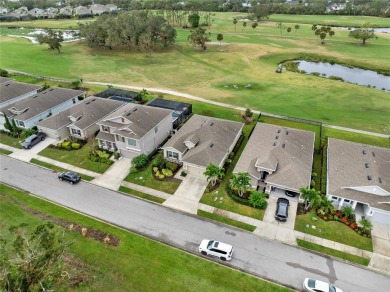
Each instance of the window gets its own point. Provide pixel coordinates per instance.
(131, 142)
(76, 132)
(156, 129)
(108, 144)
(74, 100)
(102, 144)
(173, 155)
(20, 123)
(346, 201)
(106, 129)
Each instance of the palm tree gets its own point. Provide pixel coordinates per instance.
(348, 212)
(235, 23)
(296, 27)
(312, 196)
(366, 224)
(240, 182)
(243, 25)
(213, 173)
(327, 205)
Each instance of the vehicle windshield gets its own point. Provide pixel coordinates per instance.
(210, 245)
(332, 288)
(71, 175)
(311, 283)
(29, 139)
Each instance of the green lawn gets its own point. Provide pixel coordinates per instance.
(10, 141)
(227, 221)
(141, 195)
(77, 158)
(227, 203)
(332, 252)
(138, 263)
(58, 169)
(145, 178)
(5, 152)
(331, 230)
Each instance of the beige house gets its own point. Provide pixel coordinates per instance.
(203, 140)
(359, 176)
(134, 129)
(278, 158)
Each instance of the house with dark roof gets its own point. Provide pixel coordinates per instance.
(134, 129)
(278, 158)
(359, 176)
(28, 112)
(11, 92)
(120, 94)
(80, 120)
(181, 110)
(202, 140)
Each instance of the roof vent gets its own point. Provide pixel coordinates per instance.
(380, 180)
(364, 152)
(367, 165)
(373, 154)
(286, 132)
(369, 177)
(51, 89)
(134, 110)
(277, 137)
(284, 145)
(274, 143)
(211, 145)
(278, 131)
(7, 84)
(128, 114)
(211, 124)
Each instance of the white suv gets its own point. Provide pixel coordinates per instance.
(215, 248)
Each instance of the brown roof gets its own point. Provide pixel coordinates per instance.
(359, 172)
(289, 151)
(213, 137)
(9, 91)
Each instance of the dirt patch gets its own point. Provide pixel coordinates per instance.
(95, 234)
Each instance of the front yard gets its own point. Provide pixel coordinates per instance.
(331, 230)
(10, 141)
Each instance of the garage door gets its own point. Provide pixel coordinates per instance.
(382, 218)
(194, 170)
(128, 154)
(50, 134)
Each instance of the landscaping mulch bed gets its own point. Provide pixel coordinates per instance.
(91, 233)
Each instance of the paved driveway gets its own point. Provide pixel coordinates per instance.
(28, 154)
(188, 194)
(113, 177)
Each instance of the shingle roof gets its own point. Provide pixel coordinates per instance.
(105, 136)
(41, 102)
(214, 137)
(169, 104)
(293, 161)
(347, 169)
(137, 120)
(12, 90)
(86, 113)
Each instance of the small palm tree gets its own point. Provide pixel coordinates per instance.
(366, 224)
(327, 205)
(235, 23)
(213, 173)
(312, 196)
(240, 182)
(348, 212)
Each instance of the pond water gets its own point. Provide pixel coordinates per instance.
(376, 29)
(31, 33)
(352, 75)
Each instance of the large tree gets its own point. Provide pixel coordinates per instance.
(259, 11)
(240, 182)
(312, 196)
(213, 173)
(52, 38)
(365, 33)
(199, 37)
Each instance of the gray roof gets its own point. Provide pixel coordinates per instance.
(292, 162)
(4, 80)
(213, 138)
(41, 102)
(12, 90)
(83, 114)
(349, 167)
(134, 120)
(105, 136)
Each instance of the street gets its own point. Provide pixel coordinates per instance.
(272, 260)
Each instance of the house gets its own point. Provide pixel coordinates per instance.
(28, 112)
(181, 110)
(111, 7)
(36, 12)
(67, 11)
(97, 9)
(120, 94)
(79, 120)
(4, 10)
(51, 10)
(278, 158)
(359, 176)
(134, 129)
(82, 11)
(21, 10)
(11, 92)
(201, 141)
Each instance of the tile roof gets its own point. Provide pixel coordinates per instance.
(134, 120)
(12, 90)
(213, 138)
(350, 165)
(289, 151)
(83, 114)
(41, 102)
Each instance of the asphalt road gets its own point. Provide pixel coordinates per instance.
(272, 260)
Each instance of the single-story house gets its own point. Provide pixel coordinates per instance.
(28, 112)
(278, 158)
(36, 12)
(359, 176)
(120, 94)
(82, 11)
(11, 92)
(97, 9)
(79, 120)
(134, 129)
(202, 140)
(181, 110)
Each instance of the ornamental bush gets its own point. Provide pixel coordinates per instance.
(167, 172)
(76, 146)
(66, 145)
(140, 161)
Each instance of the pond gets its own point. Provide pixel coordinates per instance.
(31, 33)
(352, 75)
(376, 29)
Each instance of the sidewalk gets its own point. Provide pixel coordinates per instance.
(146, 190)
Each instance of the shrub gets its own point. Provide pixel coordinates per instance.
(3, 73)
(140, 161)
(76, 146)
(117, 155)
(161, 176)
(155, 169)
(172, 166)
(27, 133)
(348, 212)
(157, 173)
(257, 200)
(167, 172)
(353, 225)
(66, 145)
(231, 155)
(133, 170)
(102, 154)
(183, 173)
(160, 162)
(344, 219)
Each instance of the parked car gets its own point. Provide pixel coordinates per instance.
(290, 194)
(281, 213)
(319, 286)
(69, 176)
(216, 248)
(33, 140)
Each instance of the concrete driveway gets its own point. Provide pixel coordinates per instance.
(188, 194)
(114, 176)
(28, 154)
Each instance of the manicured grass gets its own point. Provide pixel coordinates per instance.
(49, 23)
(332, 252)
(58, 169)
(145, 178)
(227, 221)
(77, 158)
(138, 263)
(227, 203)
(141, 195)
(331, 230)
(5, 152)
(10, 141)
